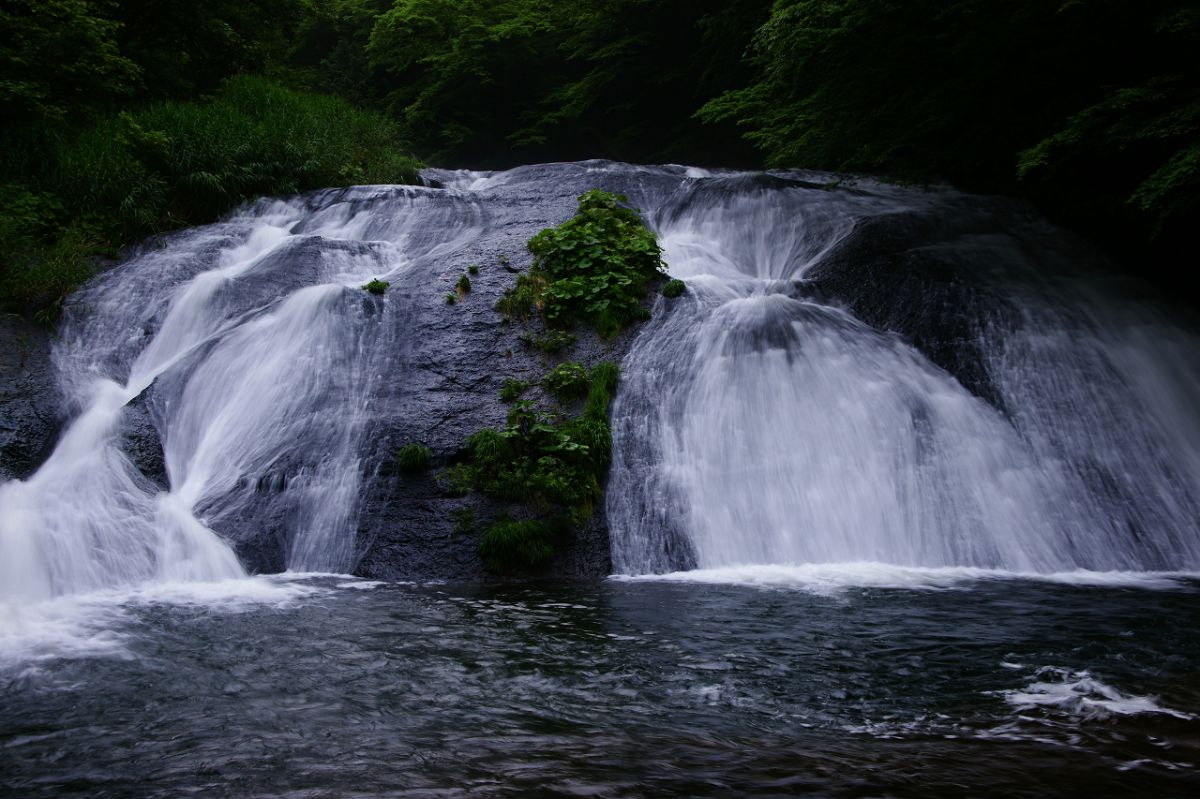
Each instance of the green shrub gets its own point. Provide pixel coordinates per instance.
(594, 267)
(451, 298)
(509, 545)
(126, 175)
(473, 269)
(512, 389)
(377, 286)
(566, 382)
(463, 285)
(673, 288)
(413, 458)
(551, 468)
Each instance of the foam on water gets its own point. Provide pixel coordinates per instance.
(98, 624)
(1081, 695)
(833, 578)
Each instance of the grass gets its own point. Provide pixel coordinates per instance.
(129, 174)
(413, 458)
(509, 545)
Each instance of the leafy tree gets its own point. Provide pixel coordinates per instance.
(1090, 106)
(59, 55)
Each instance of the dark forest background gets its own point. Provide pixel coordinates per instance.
(122, 119)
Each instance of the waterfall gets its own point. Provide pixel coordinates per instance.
(855, 373)
(762, 422)
(254, 351)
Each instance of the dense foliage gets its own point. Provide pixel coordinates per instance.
(547, 466)
(592, 268)
(123, 119)
(171, 163)
(1091, 107)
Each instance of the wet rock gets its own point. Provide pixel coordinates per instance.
(30, 406)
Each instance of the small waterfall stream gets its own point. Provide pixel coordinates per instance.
(254, 351)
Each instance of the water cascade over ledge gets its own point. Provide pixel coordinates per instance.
(866, 373)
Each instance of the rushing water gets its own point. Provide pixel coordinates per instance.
(942, 685)
(861, 554)
(760, 424)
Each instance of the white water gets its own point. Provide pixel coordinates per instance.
(259, 357)
(755, 426)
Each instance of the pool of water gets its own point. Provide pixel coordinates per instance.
(898, 684)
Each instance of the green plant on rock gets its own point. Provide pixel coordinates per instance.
(673, 288)
(594, 268)
(554, 341)
(464, 520)
(376, 286)
(463, 285)
(473, 269)
(508, 544)
(512, 389)
(567, 381)
(551, 468)
(525, 298)
(451, 298)
(413, 458)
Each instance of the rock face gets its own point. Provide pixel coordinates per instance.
(452, 375)
(940, 278)
(30, 412)
(353, 377)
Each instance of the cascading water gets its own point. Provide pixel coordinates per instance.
(802, 403)
(763, 423)
(253, 348)
(919, 379)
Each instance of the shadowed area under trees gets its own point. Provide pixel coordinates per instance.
(1091, 108)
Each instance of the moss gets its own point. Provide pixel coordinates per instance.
(376, 286)
(413, 458)
(673, 288)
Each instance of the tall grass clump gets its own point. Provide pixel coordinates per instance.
(126, 175)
